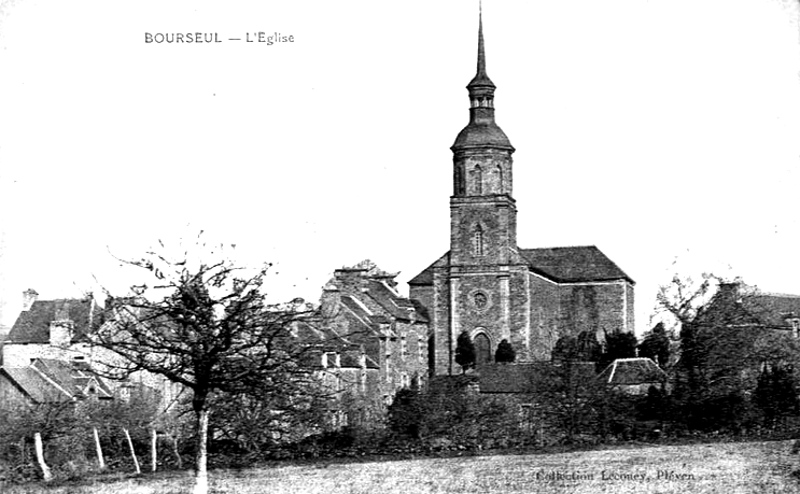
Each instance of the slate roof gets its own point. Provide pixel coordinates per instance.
(480, 135)
(734, 304)
(324, 339)
(73, 377)
(773, 310)
(398, 306)
(33, 325)
(426, 276)
(573, 264)
(369, 318)
(560, 264)
(33, 384)
(48, 381)
(629, 371)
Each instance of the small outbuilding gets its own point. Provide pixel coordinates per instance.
(634, 376)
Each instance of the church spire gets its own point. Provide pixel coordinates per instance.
(481, 79)
(482, 129)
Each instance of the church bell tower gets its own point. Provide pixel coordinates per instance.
(482, 209)
(483, 230)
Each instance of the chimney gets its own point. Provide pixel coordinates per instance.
(350, 280)
(28, 298)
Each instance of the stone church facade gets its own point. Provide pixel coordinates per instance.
(489, 287)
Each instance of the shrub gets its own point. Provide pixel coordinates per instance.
(505, 352)
(465, 351)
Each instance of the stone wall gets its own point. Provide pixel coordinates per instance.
(597, 307)
(444, 340)
(496, 217)
(630, 322)
(546, 309)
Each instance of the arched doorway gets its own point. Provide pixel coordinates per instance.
(483, 349)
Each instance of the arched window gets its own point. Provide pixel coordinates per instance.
(499, 171)
(477, 175)
(483, 349)
(477, 241)
(431, 354)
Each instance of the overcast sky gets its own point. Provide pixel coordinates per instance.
(657, 130)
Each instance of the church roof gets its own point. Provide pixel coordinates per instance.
(426, 276)
(33, 325)
(560, 264)
(573, 264)
(481, 78)
(482, 131)
(482, 134)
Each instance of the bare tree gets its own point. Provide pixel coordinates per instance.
(206, 326)
(684, 296)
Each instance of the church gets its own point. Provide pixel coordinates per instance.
(490, 288)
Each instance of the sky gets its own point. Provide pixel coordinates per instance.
(665, 132)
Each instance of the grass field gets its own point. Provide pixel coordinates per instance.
(729, 468)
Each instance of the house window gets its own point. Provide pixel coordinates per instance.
(795, 327)
(420, 352)
(403, 346)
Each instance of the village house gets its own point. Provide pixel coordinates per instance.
(48, 357)
(746, 331)
(362, 309)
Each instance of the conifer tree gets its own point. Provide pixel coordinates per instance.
(505, 352)
(465, 351)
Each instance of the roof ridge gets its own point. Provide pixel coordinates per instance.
(774, 294)
(561, 247)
